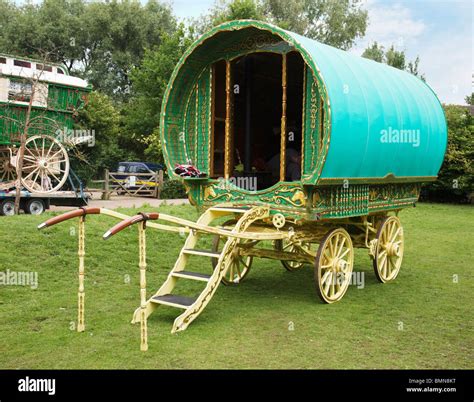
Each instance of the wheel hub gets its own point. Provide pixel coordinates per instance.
(43, 163)
(338, 265)
(393, 249)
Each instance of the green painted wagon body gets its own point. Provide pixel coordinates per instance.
(55, 99)
(368, 134)
(64, 95)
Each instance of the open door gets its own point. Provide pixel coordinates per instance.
(254, 97)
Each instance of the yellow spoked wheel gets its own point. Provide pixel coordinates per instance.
(389, 249)
(290, 247)
(334, 264)
(240, 265)
(7, 170)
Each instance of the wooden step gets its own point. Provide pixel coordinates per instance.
(174, 300)
(205, 253)
(192, 275)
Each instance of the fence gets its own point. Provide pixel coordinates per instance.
(131, 184)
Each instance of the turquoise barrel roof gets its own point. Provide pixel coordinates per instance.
(383, 120)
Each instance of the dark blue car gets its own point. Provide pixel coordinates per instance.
(130, 181)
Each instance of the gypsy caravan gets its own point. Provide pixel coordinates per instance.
(55, 99)
(300, 152)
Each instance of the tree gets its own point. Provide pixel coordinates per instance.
(100, 41)
(470, 99)
(456, 177)
(392, 57)
(374, 52)
(103, 118)
(395, 58)
(334, 22)
(235, 10)
(149, 81)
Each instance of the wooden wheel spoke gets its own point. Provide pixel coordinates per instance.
(52, 174)
(392, 239)
(49, 149)
(328, 283)
(333, 285)
(344, 253)
(29, 158)
(334, 245)
(325, 277)
(31, 153)
(237, 267)
(29, 174)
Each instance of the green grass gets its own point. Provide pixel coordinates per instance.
(246, 326)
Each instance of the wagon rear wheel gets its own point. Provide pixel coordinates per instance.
(240, 265)
(334, 264)
(290, 247)
(45, 164)
(389, 249)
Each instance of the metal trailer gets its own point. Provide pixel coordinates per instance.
(369, 136)
(36, 203)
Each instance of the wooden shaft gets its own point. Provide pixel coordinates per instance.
(69, 215)
(227, 146)
(81, 294)
(283, 120)
(143, 300)
(130, 221)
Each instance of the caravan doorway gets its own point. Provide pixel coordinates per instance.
(248, 100)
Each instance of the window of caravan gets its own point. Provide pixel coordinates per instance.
(19, 91)
(21, 63)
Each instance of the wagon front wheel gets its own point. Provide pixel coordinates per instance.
(290, 247)
(334, 264)
(389, 249)
(45, 164)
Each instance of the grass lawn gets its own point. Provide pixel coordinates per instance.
(272, 320)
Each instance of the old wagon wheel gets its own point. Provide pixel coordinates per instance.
(333, 267)
(7, 170)
(45, 164)
(389, 249)
(291, 247)
(240, 265)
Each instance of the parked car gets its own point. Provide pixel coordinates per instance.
(145, 174)
(138, 167)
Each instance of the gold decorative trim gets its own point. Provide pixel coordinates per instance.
(228, 112)
(303, 123)
(283, 119)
